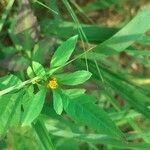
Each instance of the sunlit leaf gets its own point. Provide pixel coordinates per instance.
(74, 78)
(63, 53)
(57, 102)
(33, 107)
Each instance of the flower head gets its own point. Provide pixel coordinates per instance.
(53, 83)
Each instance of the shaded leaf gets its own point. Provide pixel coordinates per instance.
(130, 93)
(64, 29)
(6, 13)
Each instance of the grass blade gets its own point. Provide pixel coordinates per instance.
(133, 31)
(43, 135)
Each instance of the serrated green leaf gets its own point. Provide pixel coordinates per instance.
(57, 102)
(33, 107)
(83, 110)
(74, 78)
(63, 53)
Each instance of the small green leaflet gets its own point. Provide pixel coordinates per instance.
(74, 78)
(63, 53)
(34, 107)
(57, 101)
(30, 72)
(38, 69)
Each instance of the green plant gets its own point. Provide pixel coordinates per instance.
(45, 105)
